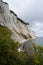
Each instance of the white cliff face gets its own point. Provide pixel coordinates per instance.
(20, 30)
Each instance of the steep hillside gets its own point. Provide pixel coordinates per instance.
(14, 31)
(9, 54)
(8, 49)
(20, 29)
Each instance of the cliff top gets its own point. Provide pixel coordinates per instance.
(23, 21)
(13, 12)
(4, 2)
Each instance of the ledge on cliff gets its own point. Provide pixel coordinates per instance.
(23, 21)
(4, 2)
(13, 12)
(19, 18)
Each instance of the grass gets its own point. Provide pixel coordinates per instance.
(8, 49)
(9, 54)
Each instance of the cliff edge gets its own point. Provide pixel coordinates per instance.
(20, 29)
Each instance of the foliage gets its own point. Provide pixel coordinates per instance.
(9, 54)
(38, 55)
(8, 49)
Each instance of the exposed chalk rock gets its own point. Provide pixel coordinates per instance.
(20, 29)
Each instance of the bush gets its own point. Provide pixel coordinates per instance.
(9, 54)
(8, 49)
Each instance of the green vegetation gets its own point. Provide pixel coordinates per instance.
(38, 55)
(9, 54)
(8, 49)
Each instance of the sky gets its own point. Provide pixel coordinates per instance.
(30, 11)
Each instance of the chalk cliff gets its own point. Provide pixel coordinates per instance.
(20, 29)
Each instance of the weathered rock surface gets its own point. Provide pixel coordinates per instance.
(20, 29)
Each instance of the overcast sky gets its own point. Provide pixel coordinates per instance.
(30, 11)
